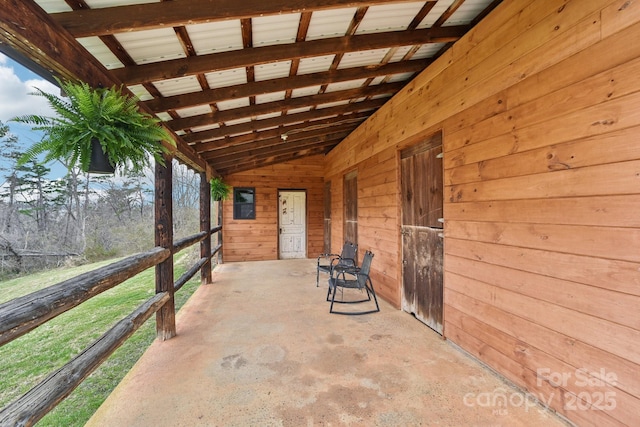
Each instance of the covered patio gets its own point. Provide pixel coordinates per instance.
(259, 347)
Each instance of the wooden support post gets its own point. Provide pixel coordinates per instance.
(166, 316)
(220, 259)
(205, 225)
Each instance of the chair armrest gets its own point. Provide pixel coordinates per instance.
(348, 262)
(342, 269)
(332, 256)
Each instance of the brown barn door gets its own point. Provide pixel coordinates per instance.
(422, 244)
(351, 207)
(327, 218)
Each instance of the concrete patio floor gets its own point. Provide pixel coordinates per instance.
(258, 347)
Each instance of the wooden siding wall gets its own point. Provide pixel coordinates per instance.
(540, 111)
(255, 240)
(378, 211)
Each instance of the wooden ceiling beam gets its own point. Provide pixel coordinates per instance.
(291, 118)
(448, 13)
(202, 145)
(118, 19)
(275, 141)
(29, 30)
(300, 102)
(281, 158)
(284, 52)
(233, 92)
(276, 85)
(197, 121)
(327, 140)
(421, 14)
(292, 153)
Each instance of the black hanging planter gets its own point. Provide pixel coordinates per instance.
(99, 162)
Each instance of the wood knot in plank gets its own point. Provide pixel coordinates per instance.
(558, 166)
(605, 122)
(624, 6)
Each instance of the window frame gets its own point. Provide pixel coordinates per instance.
(237, 206)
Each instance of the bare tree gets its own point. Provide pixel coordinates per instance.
(9, 153)
(186, 199)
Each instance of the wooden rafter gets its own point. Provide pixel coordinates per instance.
(327, 141)
(262, 161)
(202, 147)
(303, 101)
(284, 52)
(110, 20)
(232, 153)
(275, 85)
(228, 125)
(291, 118)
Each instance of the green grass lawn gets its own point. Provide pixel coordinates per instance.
(29, 359)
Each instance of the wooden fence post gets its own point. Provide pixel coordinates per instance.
(220, 257)
(166, 316)
(205, 225)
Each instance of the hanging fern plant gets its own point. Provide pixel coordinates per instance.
(128, 136)
(219, 189)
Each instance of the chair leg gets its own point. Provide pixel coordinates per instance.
(317, 277)
(374, 295)
(333, 297)
(366, 288)
(370, 291)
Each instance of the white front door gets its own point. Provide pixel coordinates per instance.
(293, 224)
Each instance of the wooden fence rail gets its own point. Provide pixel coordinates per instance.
(194, 269)
(181, 244)
(25, 313)
(37, 402)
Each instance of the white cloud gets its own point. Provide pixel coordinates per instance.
(14, 94)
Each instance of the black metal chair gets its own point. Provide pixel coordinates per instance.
(358, 279)
(328, 262)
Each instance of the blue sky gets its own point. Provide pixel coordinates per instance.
(16, 82)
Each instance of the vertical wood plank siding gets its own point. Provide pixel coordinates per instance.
(253, 240)
(539, 106)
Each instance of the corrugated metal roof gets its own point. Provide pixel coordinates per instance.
(277, 29)
(389, 17)
(235, 76)
(270, 97)
(233, 103)
(305, 91)
(151, 45)
(341, 64)
(273, 70)
(330, 23)
(467, 12)
(435, 13)
(194, 111)
(178, 86)
(54, 6)
(98, 4)
(351, 84)
(362, 58)
(215, 37)
(315, 64)
(101, 52)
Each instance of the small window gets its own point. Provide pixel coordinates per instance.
(244, 203)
